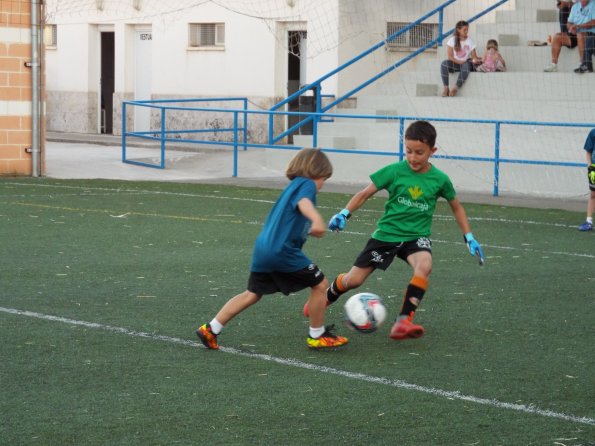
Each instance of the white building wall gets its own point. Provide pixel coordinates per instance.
(244, 67)
(70, 96)
(324, 43)
(253, 63)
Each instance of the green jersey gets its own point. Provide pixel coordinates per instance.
(411, 201)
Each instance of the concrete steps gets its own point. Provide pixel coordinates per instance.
(512, 33)
(531, 59)
(523, 93)
(513, 110)
(467, 138)
(533, 4)
(531, 86)
(522, 16)
(473, 176)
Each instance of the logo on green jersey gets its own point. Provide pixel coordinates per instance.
(415, 192)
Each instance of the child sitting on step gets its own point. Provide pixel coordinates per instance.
(492, 60)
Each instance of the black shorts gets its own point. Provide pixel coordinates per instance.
(286, 283)
(591, 176)
(573, 41)
(379, 254)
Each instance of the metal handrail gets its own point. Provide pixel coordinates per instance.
(157, 104)
(316, 86)
(237, 142)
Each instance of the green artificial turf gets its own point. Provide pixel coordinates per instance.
(505, 343)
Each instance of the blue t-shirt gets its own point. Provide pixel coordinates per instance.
(278, 247)
(590, 145)
(580, 15)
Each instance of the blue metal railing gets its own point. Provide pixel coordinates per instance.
(239, 138)
(316, 86)
(159, 104)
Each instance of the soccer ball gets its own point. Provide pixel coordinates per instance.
(364, 312)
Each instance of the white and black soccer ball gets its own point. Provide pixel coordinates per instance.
(365, 312)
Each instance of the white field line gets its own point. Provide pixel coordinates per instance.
(79, 194)
(219, 197)
(500, 220)
(507, 248)
(397, 383)
(141, 191)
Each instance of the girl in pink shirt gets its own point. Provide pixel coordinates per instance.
(492, 59)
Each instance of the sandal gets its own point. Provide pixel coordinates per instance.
(453, 92)
(445, 92)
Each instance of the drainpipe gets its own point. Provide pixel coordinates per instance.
(35, 88)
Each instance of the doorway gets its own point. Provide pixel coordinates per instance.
(296, 74)
(106, 109)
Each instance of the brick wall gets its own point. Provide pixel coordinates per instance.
(15, 88)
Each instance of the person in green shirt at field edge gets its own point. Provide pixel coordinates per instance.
(413, 187)
(590, 153)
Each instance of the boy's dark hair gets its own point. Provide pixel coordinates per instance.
(422, 131)
(309, 163)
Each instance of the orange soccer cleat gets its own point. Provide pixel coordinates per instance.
(207, 337)
(327, 340)
(404, 328)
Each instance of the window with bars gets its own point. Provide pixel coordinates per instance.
(416, 37)
(206, 35)
(50, 36)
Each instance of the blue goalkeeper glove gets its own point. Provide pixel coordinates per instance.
(338, 221)
(474, 247)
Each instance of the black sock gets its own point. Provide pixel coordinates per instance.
(413, 296)
(334, 291)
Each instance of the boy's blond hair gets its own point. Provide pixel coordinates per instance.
(309, 163)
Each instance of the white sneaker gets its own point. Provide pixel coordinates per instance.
(551, 68)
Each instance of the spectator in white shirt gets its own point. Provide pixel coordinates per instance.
(461, 58)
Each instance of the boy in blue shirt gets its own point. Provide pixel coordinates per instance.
(278, 262)
(590, 153)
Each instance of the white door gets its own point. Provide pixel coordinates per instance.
(303, 57)
(142, 82)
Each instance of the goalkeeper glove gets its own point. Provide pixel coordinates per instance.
(474, 247)
(338, 221)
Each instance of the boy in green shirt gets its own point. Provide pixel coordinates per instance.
(413, 186)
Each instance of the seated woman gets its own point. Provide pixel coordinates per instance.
(461, 58)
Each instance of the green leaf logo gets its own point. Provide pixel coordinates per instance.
(415, 192)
